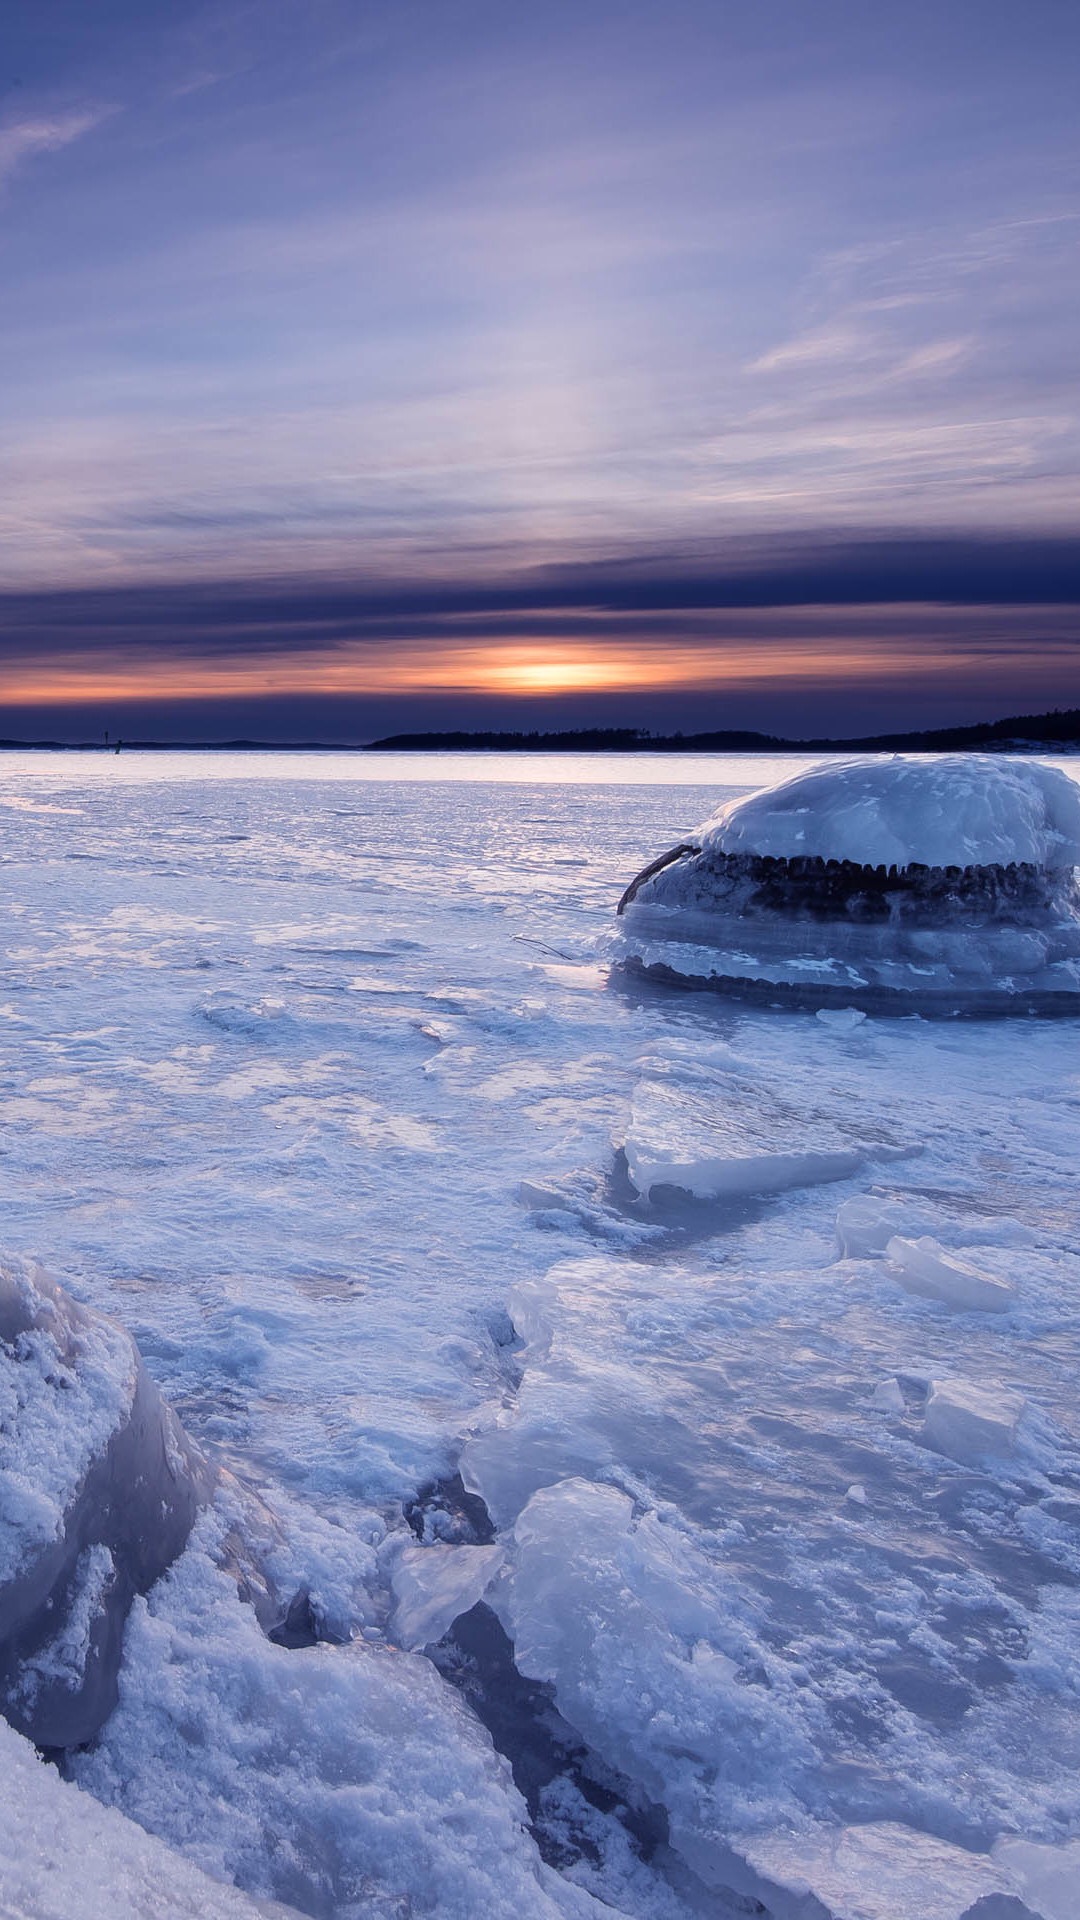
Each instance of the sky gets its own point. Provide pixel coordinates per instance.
(449, 363)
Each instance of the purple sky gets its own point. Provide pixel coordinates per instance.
(444, 362)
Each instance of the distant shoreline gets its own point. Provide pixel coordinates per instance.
(1017, 734)
(1027, 733)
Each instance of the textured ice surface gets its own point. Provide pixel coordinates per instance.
(957, 809)
(312, 1079)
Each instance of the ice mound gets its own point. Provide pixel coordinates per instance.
(964, 809)
(99, 1487)
(946, 885)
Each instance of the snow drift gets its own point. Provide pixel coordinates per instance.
(946, 885)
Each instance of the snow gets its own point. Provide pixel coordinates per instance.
(923, 1266)
(316, 1082)
(64, 1856)
(959, 809)
(339, 1779)
(969, 1420)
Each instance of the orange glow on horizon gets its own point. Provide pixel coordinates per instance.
(532, 669)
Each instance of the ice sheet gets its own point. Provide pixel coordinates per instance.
(316, 1086)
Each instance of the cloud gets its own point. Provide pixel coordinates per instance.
(663, 593)
(21, 139)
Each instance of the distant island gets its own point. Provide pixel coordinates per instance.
(1057, 729)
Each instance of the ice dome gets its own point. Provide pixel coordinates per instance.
(949, 884)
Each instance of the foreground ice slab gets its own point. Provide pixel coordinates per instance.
(63, 1856)
(648, 1659)
(344, 1780)
(99, 1487)
(947, 885)
(704, 1123)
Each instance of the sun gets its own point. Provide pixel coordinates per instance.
(562, 674)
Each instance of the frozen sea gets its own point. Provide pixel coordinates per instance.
(514, 1298)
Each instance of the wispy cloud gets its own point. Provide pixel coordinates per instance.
(21, 140)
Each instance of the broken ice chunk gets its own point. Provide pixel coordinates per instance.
(715, 1176)
(968, 1422)
(924, 1267)
(434, 1585)
(841, 1019)
(887, 1396)
(867, 1222)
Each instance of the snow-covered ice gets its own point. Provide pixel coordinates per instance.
(958, 809)
(549, 1429)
